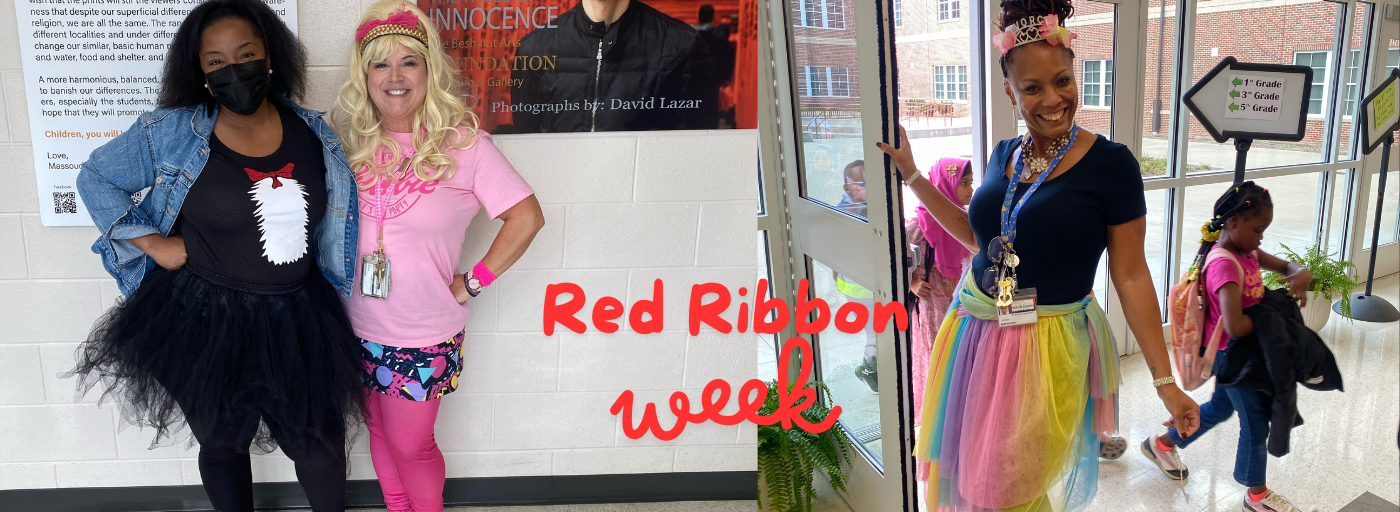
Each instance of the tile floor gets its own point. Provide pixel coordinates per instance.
(1346, 448)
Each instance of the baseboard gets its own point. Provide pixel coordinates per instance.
(516, 490)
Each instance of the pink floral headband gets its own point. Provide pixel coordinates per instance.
(401, 22)
(1031, 29)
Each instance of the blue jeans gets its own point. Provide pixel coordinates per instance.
(1253, 406)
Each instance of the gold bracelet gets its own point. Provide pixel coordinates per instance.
(1163, 381)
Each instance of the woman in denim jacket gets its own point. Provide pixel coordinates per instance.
(231, 261)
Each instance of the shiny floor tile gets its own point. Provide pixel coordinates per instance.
(1346, 447)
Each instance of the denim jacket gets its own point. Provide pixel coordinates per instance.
(164, 151)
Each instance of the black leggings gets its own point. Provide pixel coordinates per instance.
(226, 469)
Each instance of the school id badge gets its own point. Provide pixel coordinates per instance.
(374, 272)
(1020, 311)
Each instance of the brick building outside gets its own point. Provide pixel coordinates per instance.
(931, 38)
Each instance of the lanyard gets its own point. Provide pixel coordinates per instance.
(379, 203)
(1008, 214)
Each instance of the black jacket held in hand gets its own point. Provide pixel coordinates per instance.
(1280, 354)
(641, 73)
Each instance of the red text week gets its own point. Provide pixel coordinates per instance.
(812, 316)
(792, 400)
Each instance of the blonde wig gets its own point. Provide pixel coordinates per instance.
(445, 120)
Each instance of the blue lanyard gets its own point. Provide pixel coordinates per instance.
(1008, 215)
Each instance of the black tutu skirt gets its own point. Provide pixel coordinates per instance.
(262, 362)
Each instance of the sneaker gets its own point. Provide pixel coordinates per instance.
(866, 373)
(1167, 461)
(1270, 503)
(1113, 448)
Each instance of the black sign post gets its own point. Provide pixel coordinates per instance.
(1379, 120)
(1248, 102)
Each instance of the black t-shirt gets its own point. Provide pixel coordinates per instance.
(1062, 230)
(252, 219)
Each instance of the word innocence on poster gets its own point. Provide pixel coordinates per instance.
(708, 302)
(1252, 97)
(549, 66)
(90, 68)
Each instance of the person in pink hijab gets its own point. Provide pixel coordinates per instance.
(938, 265)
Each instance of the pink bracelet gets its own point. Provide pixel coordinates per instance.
(483, 274)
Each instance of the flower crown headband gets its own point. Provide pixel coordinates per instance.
(1031, 29)
(401, 22)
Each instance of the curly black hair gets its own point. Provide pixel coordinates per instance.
(1244, 200)
(182, 84)
(1013, 11)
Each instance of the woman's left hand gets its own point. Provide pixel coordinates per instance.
(459, 288)
(1298, 284)
(1186, 413)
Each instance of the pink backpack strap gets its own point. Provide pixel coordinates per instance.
(1213, 342)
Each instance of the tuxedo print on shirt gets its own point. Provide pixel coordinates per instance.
(281, 213)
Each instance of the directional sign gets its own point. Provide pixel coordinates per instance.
(1239, 100)
(1379, 113)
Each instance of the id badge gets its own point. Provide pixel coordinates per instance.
(374, 272)
(1021, 311)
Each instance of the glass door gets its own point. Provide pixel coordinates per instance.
(840, 227)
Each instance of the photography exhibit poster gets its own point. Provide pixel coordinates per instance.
(533, 66)
(90, 68)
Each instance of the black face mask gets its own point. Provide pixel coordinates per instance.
(240, 87)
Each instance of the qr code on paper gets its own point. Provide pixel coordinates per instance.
(65, 202)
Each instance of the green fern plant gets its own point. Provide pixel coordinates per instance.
(1330, 277)
(789, 458)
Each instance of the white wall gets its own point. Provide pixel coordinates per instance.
(622, 209)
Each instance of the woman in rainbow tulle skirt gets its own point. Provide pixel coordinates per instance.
(1022, 381)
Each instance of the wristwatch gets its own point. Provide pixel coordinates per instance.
(472, 283)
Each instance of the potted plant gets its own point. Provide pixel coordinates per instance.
(789, 458)
(1330, 279)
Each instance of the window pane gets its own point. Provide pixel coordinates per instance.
(830, 114)
(1388, 210)
(1218, 35)
(840, 82)
(933, 88)
(1337, 224)
(767, 348)
(1155, 245)
(1295, 210)
(1096, 25)
(1157, 101)
(1356, 77)
(835, 14)
(847, 361)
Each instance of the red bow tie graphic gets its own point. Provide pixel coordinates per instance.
(285, 172)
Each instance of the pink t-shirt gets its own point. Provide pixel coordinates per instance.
(1222, 271)
(424, 226)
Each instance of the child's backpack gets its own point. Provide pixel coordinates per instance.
(1188, 319)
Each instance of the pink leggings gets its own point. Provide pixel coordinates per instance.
(406, 457)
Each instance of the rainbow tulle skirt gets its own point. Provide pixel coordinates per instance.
(1012, 416)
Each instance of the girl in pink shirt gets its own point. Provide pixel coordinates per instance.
(1237, 229)
(423, 171)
